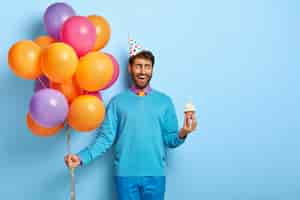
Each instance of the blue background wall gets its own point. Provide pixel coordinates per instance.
(238, 61)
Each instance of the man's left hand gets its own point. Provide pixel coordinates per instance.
(188, 127)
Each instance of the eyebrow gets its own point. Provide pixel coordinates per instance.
(142, 64)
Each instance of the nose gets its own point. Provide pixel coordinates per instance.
(143, 70)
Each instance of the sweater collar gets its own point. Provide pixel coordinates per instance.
(140, 92)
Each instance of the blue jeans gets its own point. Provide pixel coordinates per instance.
(140, 187)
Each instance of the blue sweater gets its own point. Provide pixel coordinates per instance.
(141, 127)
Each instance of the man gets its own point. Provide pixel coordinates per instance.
(141, 122)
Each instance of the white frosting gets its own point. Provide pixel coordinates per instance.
(189, 107)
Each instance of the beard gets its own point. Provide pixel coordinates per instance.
(141, 84)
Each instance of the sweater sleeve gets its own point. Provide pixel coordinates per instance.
(170, 127)
(105, 136)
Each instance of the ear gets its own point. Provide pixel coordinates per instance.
(129, 68)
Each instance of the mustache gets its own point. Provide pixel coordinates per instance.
(143, 75)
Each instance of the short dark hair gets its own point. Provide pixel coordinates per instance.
(143, 54)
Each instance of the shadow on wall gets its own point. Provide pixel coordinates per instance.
(36, 29)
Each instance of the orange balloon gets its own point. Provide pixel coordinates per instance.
(86, 113)
(102, 31)
(23, 59)
(59, 62)
(44, 41)
(94, 71)
(69, 88)
(38, 130)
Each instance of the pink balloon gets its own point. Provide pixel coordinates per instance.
(115, 74)
(80, 33)
(95, 93)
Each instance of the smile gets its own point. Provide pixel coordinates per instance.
(142, 77)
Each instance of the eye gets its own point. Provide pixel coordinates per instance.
(148, 67)
(138, 66)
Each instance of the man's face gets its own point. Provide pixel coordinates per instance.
(141, 72)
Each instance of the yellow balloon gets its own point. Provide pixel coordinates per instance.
(23, 59)
(39, 130)
(69, 88)
(59, 62)
(44, 41)
(102, 31)
(94, 71)
(86, 113)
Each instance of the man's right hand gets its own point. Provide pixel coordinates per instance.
(72, 160)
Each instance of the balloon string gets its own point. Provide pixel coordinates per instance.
(71, 170)
(42, 82)
(68, 140)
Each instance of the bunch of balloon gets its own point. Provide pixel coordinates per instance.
(69, 71)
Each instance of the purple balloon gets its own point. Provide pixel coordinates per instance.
(54, 17)
(41, 82)
(48, 107)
